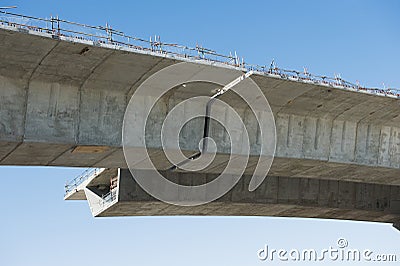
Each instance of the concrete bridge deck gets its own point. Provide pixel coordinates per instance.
(62, 102)
(277, 196)
(61, 107)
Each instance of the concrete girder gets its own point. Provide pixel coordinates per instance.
(277, 196)
(59, 96)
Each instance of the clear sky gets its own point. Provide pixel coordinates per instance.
(358, 39)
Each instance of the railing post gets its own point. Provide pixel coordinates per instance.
(52, 24)
(108, 33)
(58, 26)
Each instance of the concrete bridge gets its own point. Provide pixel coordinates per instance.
(62, 102)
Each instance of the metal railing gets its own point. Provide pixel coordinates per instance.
(74, 183)
(336, 81)
(57, 28)
(109, 197)
(107, 35)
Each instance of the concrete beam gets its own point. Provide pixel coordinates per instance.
(277, 196)
(62, 104)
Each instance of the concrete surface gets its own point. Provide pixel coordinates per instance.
(277, 196)
(55, 100)
(60, 106)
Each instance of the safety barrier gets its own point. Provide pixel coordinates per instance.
(57, 28)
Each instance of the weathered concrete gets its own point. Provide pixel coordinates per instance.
(55, 99)
(277, 196)
(62, 104)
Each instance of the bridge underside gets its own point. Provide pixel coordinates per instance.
(61, 107)
(62, 103)
(277, 196)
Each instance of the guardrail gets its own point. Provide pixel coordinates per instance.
(328, 81)
(74, 183)
(109, 197)
(59, 27)
(107, 35)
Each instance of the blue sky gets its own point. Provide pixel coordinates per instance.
(358, 39)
